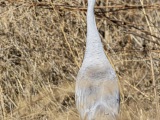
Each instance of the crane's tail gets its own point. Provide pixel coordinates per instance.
(100, 113)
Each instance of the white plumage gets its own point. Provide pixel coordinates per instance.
(97, 91)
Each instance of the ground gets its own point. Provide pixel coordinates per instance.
(42, 45)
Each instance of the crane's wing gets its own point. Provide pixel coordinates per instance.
(94, 96)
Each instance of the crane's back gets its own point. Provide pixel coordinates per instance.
(97, 92)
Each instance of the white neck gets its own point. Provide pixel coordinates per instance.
(94, 47)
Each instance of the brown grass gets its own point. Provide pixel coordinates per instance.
(42, 46)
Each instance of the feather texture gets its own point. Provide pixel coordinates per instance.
(97, 92)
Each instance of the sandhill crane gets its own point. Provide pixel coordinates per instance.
(97, 91)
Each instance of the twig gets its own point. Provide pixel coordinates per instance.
(154, 86)
(137, 90)
(71, 7)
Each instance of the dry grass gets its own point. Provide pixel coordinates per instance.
(42, 46)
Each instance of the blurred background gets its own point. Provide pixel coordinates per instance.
(42, 44)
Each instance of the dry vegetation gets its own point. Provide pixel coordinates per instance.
(42, 44)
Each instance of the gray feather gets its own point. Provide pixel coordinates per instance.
(97, 91)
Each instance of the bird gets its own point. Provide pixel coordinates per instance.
(97, 94)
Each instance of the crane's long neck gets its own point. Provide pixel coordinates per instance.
(93, 44)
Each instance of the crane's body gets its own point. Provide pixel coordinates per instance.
(97, 92)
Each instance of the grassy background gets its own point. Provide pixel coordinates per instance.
(42, 44)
